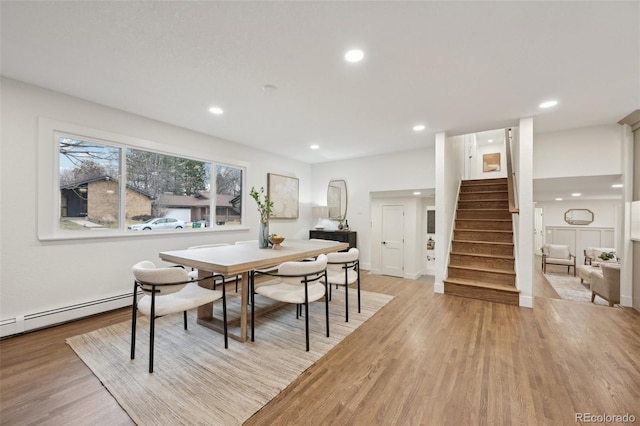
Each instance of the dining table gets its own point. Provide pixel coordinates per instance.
(240, 260)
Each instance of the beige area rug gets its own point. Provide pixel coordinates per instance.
(569, 287)
(197, 381)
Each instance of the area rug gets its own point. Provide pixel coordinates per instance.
(196, 380)
(569, 287)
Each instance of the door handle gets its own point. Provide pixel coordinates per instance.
(384, 242)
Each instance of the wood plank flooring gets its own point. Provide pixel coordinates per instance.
(425, 358)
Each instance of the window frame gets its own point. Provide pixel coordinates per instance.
(48, 181)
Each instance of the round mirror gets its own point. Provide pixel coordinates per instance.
(337, 199)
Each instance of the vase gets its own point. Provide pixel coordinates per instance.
(263, 235)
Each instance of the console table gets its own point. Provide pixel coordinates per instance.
(350, 237)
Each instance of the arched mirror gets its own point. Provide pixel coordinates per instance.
(337, 199)
(578, 216)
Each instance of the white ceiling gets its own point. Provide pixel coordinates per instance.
(457, 67)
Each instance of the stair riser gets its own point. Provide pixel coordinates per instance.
(502, 237)
(477, 224)
(491, 183)
(479, 248)
(483, 276)
(483, 214)
(481, 262)
(470, 196)
(479, 204)
(468, 189)
(489, 295)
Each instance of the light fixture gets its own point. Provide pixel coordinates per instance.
(576, 194)
(417, 193)
(617, 185)
(419, 127)
(548, 104)
(490, 140)
(216, 110)
(558, 199)
(319, 212)
(315, 146)
(354, 55)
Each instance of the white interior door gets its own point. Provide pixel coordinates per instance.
(392, 252)
(538, 230)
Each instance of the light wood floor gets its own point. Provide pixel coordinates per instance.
(424, 359)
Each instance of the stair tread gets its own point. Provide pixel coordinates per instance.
(484, 242)
(472, 268)
(474, 283)
(484, 230)
(492, 256)
(486, 220)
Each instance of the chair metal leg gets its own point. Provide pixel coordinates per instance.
(134, 312)
(152, 329)
(346, 294)
(252, 299)
(224, 314)
(306, 311)
(185, 319)
(326, 302)
(358, 271)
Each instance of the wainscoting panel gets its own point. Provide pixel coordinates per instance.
(580, 238)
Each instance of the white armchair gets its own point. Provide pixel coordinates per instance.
(606, 285)
(167, 291)
(296, 282)
(556, 254)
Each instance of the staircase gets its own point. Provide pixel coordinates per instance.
(481, 262)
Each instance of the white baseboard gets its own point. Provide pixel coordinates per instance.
(526, 301)
(438, 288)
(34, 321)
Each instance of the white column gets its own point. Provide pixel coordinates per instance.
(524, 176)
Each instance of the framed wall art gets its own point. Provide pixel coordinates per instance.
(491, 162)
(284, 192)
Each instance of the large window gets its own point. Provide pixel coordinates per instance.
(105, 185)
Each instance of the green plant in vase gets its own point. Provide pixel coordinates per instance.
(265, 207)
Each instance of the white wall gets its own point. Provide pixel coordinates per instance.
(589, 151)
(37, 276)
(391, 172)
(604, 212)
(449, 173)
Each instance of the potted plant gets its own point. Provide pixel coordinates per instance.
(265, 206)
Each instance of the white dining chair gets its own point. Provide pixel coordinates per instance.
(343, 269)
(294, 282)
(168, 291)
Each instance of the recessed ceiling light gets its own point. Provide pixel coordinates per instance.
(548, 104)
(216, 110)
(558, 199)
(417, 193)
(490, 140)
(576, 194)
(617, 185)
(419, 127)
(315, 146)
(354, 55)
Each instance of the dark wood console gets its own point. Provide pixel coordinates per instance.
(350, 237)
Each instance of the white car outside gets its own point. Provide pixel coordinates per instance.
(159, 223)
